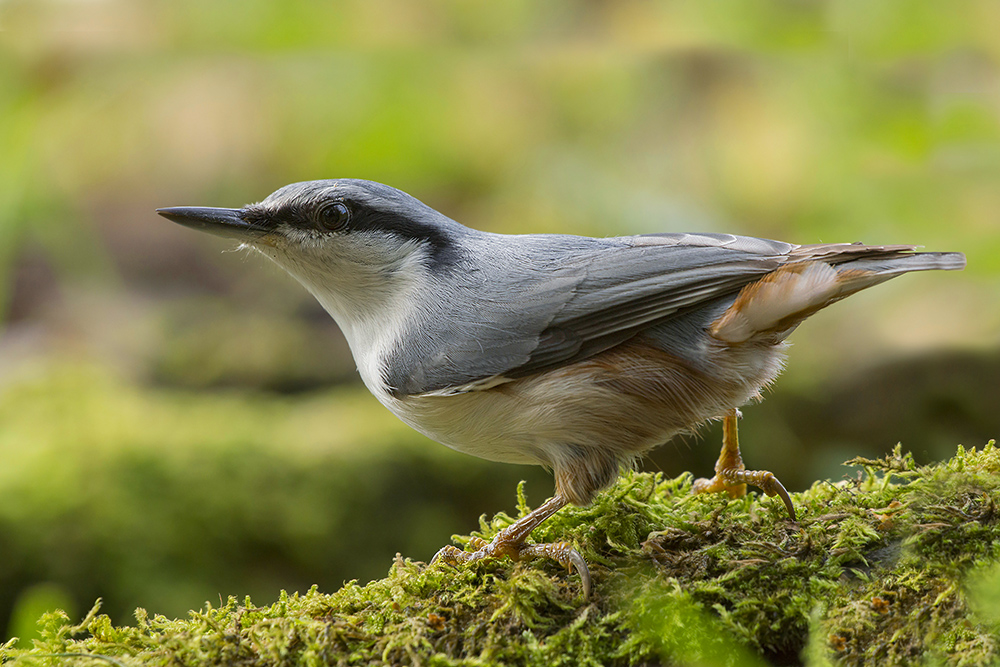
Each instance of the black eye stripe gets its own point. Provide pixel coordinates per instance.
(341, 213)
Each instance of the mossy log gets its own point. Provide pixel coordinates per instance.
(897, 565)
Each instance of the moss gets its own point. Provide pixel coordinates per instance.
(889, 567)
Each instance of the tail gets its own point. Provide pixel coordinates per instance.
(815, 277)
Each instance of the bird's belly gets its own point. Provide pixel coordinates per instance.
(490, 425)
(622, 402)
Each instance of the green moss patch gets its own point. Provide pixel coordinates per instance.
(897, 565)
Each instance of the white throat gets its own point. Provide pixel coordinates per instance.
(372, 300)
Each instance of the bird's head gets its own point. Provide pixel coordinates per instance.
(354, 244)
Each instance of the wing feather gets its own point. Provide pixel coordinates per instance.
(556, 300)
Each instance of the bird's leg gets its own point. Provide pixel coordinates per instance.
(511, 542)
(732, 477)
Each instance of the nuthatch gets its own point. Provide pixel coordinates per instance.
(578, 354)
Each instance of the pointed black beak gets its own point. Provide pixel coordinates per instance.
(225, 222)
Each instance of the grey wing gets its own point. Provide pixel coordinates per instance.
(535, 303)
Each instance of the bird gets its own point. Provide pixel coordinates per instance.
(575, 353)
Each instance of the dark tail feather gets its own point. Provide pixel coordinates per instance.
(906, 262)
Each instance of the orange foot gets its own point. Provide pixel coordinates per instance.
(732, 477)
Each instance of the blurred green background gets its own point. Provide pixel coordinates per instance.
(179, 422)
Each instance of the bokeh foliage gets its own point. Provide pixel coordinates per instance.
(207, 378)
(165, 497)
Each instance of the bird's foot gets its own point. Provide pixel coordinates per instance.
(511, 542)
(734, 482)
(732, 476)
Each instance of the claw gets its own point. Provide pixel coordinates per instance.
(511, 542)
(451, 555)
(565, 555)
(770, 485)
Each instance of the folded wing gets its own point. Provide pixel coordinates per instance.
(547, 301)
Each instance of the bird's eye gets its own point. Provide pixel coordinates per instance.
(334, 216)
